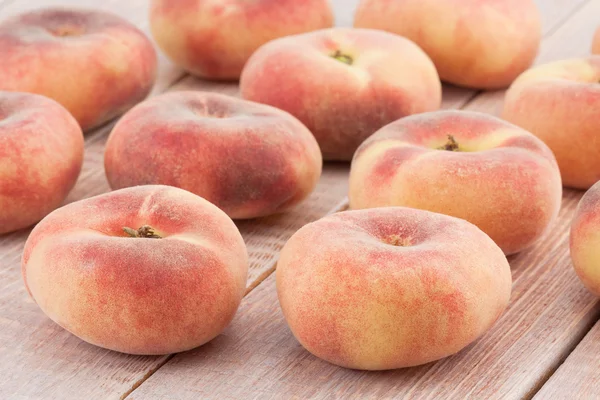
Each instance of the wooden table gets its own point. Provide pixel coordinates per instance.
(546, 346)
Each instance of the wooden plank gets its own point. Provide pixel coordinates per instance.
(579, 376)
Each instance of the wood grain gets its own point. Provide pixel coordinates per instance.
(579, 376)
(40, 360)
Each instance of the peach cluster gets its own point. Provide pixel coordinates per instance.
(474, 43)
(414, 272)
(95, 64)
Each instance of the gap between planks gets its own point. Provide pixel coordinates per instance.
(578, 374)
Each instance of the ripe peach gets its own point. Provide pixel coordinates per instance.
(585, 240)
(249, 159)
(465, 164)
(390, 287)
(173, 285)
(41, 152)
(474, 43)
(214, 38)
(596, 42)
(95, 64)
(558, 102)
(343, 84)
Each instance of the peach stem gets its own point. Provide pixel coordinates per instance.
(345, 58)
(451, 144)
(145, 231)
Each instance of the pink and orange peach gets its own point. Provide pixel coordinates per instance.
(214, 38)
(144, 270)
(97, 65)
(468, 165)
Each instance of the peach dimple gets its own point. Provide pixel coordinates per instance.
(249, 159)
(390, 287)
(557, 102)
(145, 270)
(468, 165)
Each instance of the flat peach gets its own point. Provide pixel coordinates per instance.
(390, 287)
(558, 102)
(144, 270)
(473, 43)
(41, 152)
(96, 64)
(214, 38)
(343, 84)
(249, 159)
(585, 240)
(468, 165)
(596, 42)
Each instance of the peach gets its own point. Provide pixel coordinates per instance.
(249, 159)
(144, 270)
(473, 43)
(95, 64)
(214, 38)
(558, 102)
(585, 240)
(468, 165)
(596, 42)
(390, 287)
(343, 84)
(41, 152)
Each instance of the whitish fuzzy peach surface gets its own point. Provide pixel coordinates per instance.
(475, 43)
(214, 38)
(468, 165)
(249, 159)
(585, 240)
(559, 103)
(138, 295)
(343, 84)
(95, 64)
(41, 152)
(390, 287)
